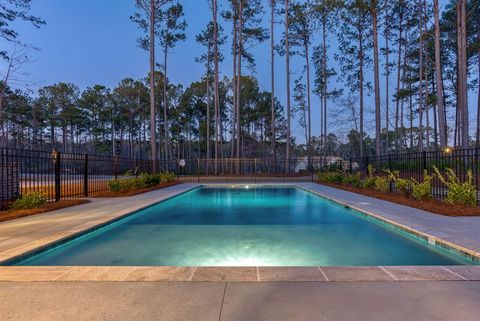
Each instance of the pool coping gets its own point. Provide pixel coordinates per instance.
(234, 274)
(238, 274)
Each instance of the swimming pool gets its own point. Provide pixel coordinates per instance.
(244, 226)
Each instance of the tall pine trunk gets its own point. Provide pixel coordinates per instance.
(309, 121)
(153, 145)
(165, 105)
(239, 77)
(462, 100)
(360, 83)
(207, 80)
(272, 68)
(399, 71)
(378, 122)
(439, 83)
(324, 87)
(218, 124)
(287, 60)
(420, 101)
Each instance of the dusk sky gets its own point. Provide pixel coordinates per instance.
(92, 42)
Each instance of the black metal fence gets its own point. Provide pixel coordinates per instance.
(67, 175)
(61, 175)
(414, 165)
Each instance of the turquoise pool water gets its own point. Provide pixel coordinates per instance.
(261, 226)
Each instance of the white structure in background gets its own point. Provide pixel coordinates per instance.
(302, 163)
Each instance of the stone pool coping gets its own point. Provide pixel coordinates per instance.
(251, 274)
(238, 274)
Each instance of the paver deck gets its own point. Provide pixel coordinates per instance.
(312, 293)
(237, 301)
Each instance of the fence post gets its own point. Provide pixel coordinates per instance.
(390, 162)
(366, 164)
(351, 166)
(58, 189)
(476, 172)
(424, 158)
(85, 176)
(115, 167)
(198, 170)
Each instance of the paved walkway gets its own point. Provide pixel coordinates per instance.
(463, 231)
(214, 301)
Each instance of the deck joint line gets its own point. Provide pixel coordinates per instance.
(323, 273)
(390, 274)
(223, 300)
(193, 273)
(456, 274)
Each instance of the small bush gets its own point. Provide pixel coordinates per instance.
(422, 191)
(168, 177)
(150, 180)
(330, 177)
(29, 201)
(114, 185)
(145, 180)
(458, 193)
(402, 185)
(352, 179)
(382, 184)
(369, 181)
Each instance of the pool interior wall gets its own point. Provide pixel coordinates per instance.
(244, 226)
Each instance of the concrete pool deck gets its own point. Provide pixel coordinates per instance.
(231, 301)
(234, 293)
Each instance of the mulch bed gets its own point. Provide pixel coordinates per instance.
(52, 206)
(433, 206)
(134, 192)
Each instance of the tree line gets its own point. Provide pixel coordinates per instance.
(411, 64)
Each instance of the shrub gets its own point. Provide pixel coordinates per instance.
(330, 177)
(458, 193)
(168, 177)
(29, 201)
(404, 186)
(352, 179)
(382, 184)
(127, 184)
(150, 180)
(114, 185)
(369, 181)
(145, 180)
(422, 191)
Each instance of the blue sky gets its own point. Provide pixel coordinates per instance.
(92, 42)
